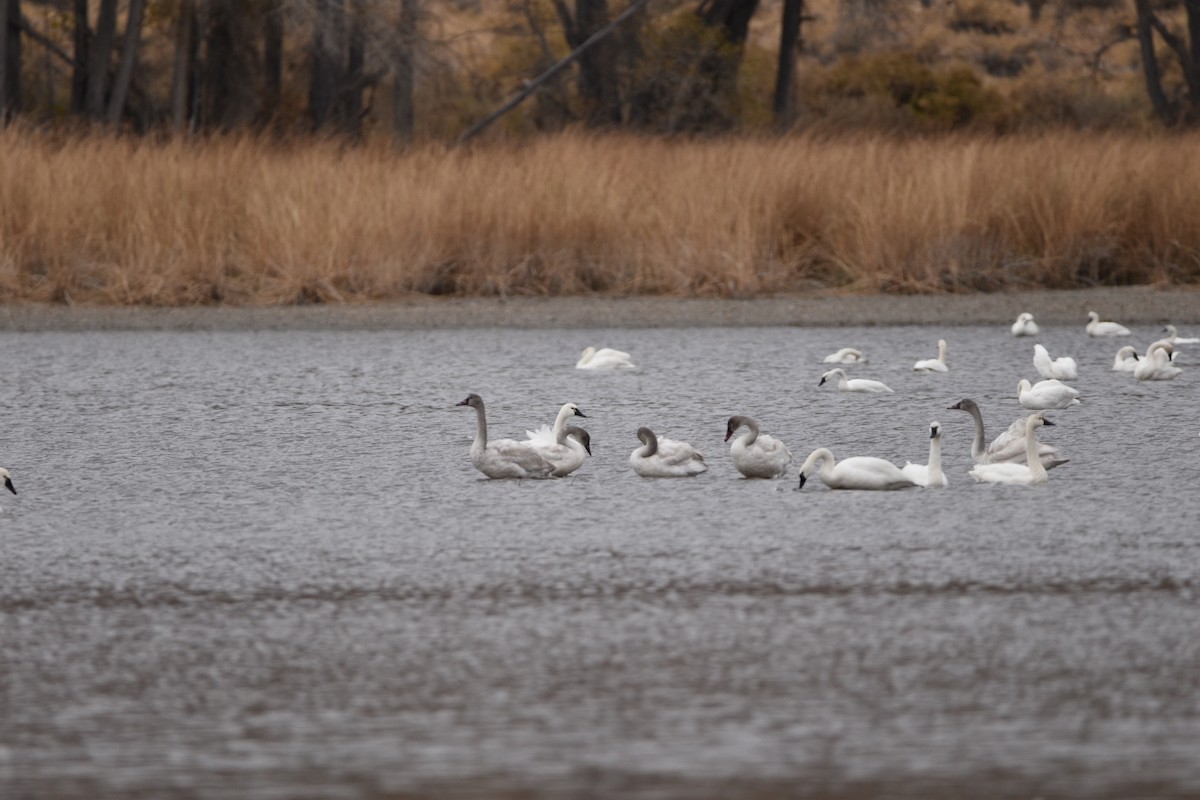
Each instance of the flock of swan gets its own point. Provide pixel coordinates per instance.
(1016, 456)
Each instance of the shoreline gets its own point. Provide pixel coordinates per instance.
(1129, 305)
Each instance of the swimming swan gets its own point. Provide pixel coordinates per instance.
(859, 472)
(1031, 471)
(557, 445)
(846, 384)
(1156, 365)
(1062, 368)
(930, 474)
(1046, 394)
(8, 484)
(604, 358)
(1172, 336)
(1126, 360)
(665, 458)
(1008, 446)
(503, 458)
(1025, 326)
(934, 364)
(847, 355)
(756, 456)
(1097, 328)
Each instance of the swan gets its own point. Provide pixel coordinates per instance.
(1156, 365)
(1008, 446)
(1025, 326)
(859, 472)
(503, 458)
(846, 384)
(604, 358)
(756, 456)
(1062, 368)
(1046, 394)
(1097, 328)
(1172, 336)
(847, 355)
(1031, 471)
(665, 458)
(934, 364)
(556, 444)
(8, 484)
(930, 474)
(1126, 360)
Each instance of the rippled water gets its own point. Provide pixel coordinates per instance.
(261, 565)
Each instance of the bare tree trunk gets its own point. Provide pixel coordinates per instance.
(133, 34)
(352, 88)
(732, 15)
(230, 77)
(272, 60)
(403, 114)
(10, 59)
(1150, 71)
(597, 66)
(181, 84)
(327, 55)
(100, 57)
(793, 11)
(81, 35)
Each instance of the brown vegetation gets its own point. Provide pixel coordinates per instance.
(121, 221)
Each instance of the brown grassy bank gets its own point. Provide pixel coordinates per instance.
(242, 221)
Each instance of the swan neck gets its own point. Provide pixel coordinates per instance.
(480, 429)
(751, 437)
(825, 458)
(1036, 469)
(651, 442)
(935, 455)
(977, 444)
(560, 423)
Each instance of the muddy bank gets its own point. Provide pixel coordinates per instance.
(1137, 305)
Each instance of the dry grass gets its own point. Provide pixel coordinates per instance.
(115, 221)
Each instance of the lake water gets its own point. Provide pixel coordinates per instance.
(262, 565)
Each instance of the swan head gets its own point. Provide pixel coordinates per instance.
(473, 400)
(935, 430)
(646, 436)
(587, 353)
(1171, 331)
(1024, 316)
(964, 405)
(574, 410)
(1023, 387)
(736, 422)
(1093, 316)
(1038, 420)
(8, 484)
(581, 436)
(833, 373)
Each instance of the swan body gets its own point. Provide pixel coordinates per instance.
(604, 358)
(847, 355)
(934, 364)
(1046, 394)
(1097, 328)
(1172, 336)
(1031, 471)
(1126, 360)
(847, 384)
(503, 458)
(756, 456)
(665, 458)
(1025, 326)
(562, 446)
(1156, 365)
(930, 474)
(859, 472)
(1008, 446)
(1062, 368)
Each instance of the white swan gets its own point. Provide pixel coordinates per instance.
(846, 384)
(503, 458)
(1046, 394)
(859, 472)
(1172, 336)
(1126, 360)
(1008, 446)
(604, 358)
(665, 458)
(1031, 471)
(1025, 326)
(756, 456)
(1062, 368)
(1156, 364)
(557, 444)
(930, 474)
(934, 364)
(1097, 328)
(847, 355)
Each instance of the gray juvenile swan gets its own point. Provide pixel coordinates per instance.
(665, 458)
(930, 474)
(756, 456)
(1008, 446)
(503, 458)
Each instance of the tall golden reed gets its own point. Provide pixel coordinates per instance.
(124, 221)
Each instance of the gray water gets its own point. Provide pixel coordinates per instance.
(262, 565)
